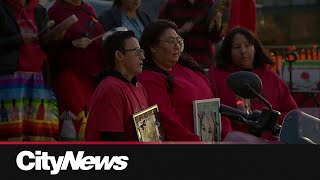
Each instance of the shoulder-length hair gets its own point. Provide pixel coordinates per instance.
(223, 58)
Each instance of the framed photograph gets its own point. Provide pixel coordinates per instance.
(147, 124)
(305, 75)
(207, 119)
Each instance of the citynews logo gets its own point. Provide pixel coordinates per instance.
(42, 161)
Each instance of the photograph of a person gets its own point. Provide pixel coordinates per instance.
(207, 119)
(147, 125)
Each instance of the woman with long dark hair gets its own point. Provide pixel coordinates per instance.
(173, 81)
(241, 50)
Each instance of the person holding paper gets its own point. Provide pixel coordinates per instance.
(173, 80)
(118, 95)
(75, 60)
(21, 73)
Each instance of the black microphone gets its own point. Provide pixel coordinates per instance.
(233, 111)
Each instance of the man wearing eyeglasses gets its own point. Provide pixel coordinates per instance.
(118, 95)
(190, 17)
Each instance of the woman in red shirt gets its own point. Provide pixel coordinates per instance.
(173, 81)
(75, 60)
(28, 108)
(242, 51)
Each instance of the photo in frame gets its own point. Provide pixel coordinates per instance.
(207, 119)
(147, 124)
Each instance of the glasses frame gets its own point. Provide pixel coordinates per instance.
(178, 40)
(137, 51)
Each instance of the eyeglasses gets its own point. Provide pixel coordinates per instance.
(137, 51)
(173, 41)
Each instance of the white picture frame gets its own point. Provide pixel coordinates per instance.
(207, 119)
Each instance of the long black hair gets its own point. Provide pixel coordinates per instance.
(113, 43)
(150, 37)
(223, 58)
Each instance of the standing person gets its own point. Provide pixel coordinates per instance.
(172, 81)
(242, 51)
(118, 95)
(126, 13)
(198, 37)
(76, 59)
(243, 13)
(21, 78)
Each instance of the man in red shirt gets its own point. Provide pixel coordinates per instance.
(118, 95)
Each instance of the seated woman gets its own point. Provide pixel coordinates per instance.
(242, 51)
(173, 81)
(118, 95)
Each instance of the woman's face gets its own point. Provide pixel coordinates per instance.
(168, 49)
(131, 4)
(242, 52)
(133, 56)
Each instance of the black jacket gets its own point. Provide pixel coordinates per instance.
(111, 18)
(10, 36)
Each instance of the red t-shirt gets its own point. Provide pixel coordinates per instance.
(83, 62)
(176, 108)
(112, 106)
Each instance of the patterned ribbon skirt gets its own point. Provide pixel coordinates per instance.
(28, 110)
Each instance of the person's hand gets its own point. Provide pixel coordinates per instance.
(81, 42)
(186, 27)
(29, 37)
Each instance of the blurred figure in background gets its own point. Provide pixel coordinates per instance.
(190, 17)
(125, 13)
(75, 61)
(243, 13)
(152, 7)
(28, 107)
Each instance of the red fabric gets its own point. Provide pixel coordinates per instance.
(198, 41)
(176, 109)
(274, 90)
(83, 62)
(31, 55)
(242, 13)
(74, 81)
(113, 104)
(40, 113)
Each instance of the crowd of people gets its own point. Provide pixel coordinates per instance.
(75, 86)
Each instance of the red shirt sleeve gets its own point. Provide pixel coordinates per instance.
(171, 123)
